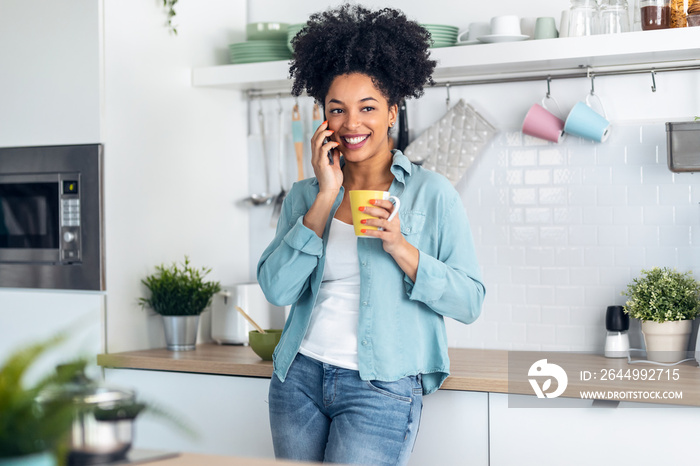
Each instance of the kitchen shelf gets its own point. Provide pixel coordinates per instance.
(667, 48)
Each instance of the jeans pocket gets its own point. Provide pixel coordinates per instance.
(401, 389)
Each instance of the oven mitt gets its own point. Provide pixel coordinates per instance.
(451, 145)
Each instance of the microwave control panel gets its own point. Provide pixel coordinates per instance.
(70, 219)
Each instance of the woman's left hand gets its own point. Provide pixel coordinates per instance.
(390, 234)
(394, 243)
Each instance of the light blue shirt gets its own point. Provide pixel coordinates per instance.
(401, 330)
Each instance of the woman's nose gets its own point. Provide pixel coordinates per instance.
(352, 120)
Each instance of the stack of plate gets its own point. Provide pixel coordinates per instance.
(442, 34)
(266, 42)
(259, 50)
(292, 31)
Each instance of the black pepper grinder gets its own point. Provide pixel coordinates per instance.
(617, 323)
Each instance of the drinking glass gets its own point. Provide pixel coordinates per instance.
(614, 17)
(583, 18)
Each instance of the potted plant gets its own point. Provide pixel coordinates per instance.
(666, 301)
(30, 432)
(180, 294)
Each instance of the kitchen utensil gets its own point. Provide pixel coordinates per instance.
(249, 319)
(451, 145)
(265, 197)
(617, 323)
(264, 344)
(277, 208)
(298, 138)
(316, 115)
(402, 142)
(102, 428)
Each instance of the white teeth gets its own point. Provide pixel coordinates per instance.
(356, 140)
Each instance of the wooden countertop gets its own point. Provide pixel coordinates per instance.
(471, 370)
(195, 459)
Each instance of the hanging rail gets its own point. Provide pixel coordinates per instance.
(500, 78)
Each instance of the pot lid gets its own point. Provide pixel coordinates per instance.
(83, 390)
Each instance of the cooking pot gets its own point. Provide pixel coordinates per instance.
(103, 417)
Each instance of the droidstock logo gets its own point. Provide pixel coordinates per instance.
(541, 369)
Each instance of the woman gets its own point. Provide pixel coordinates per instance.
(365, 338)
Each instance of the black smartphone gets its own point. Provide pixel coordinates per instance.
(330, 152)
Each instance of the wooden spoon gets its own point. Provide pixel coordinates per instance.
(248, 318)
(298, 137)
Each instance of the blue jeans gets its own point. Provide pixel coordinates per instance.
(328, 414)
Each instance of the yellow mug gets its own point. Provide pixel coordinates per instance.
(361, 198)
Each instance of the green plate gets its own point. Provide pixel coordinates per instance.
(254, 60)
(266, 31)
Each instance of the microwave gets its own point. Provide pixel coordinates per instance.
(51, 233)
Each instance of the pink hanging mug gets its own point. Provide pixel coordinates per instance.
(541, 123)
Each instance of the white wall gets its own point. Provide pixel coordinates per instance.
(173, 156)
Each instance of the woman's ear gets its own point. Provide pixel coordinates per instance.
(393, 112)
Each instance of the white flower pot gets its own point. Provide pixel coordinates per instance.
(180, 332)
(667, 341)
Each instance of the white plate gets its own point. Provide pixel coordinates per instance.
(469, 42)
(493, 38)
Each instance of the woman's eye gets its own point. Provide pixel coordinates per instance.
(367, 109)
(335, 110)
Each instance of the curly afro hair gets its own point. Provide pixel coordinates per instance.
(382, 44)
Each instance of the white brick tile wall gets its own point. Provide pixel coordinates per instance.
(571, 225)
(560, 229)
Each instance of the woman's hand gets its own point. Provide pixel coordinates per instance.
(393, 242)
(330, 177)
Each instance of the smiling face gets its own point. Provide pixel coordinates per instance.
(360, 116)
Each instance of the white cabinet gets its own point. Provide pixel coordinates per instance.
(629, 434)
(228, 413)
(453, 430)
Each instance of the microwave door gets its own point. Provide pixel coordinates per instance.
(29, 220)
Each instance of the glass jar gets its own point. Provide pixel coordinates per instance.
(583, 18)
(678, 9)
(694, 13)
(655, 14)
(613, 17)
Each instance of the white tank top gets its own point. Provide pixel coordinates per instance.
(332, 333)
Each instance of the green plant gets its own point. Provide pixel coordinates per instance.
(179, 291)
(27, 426)
(663, 294)
(170, 6)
